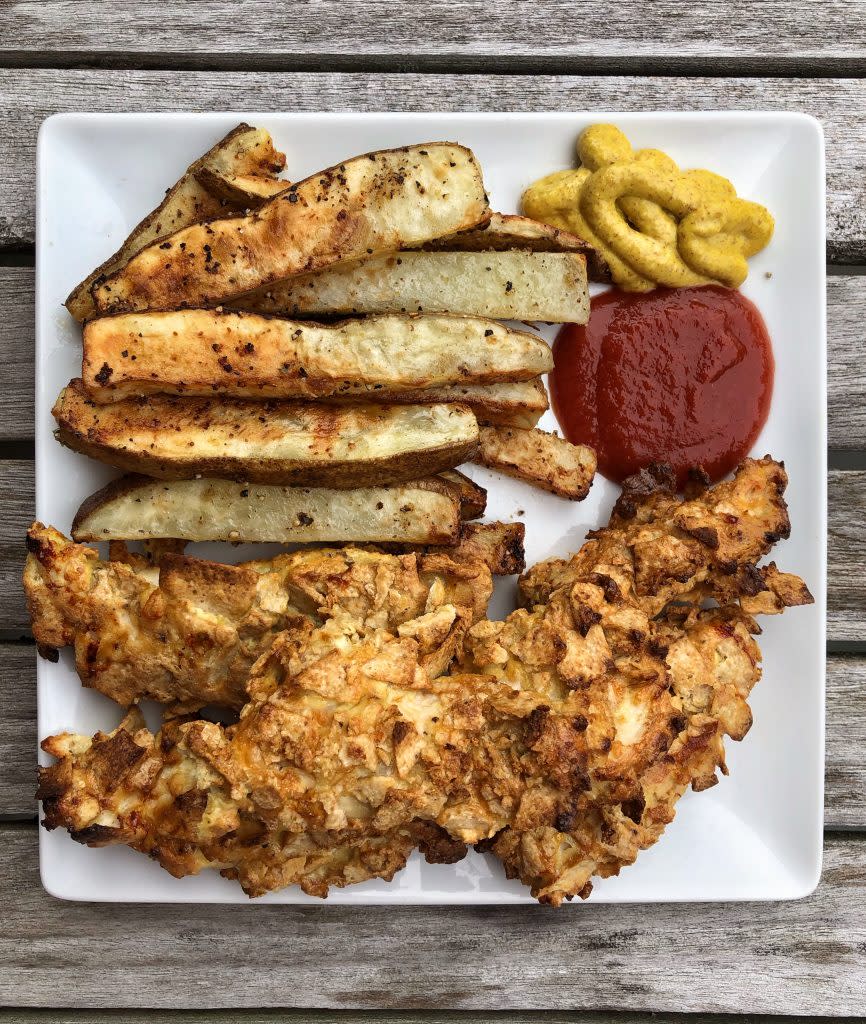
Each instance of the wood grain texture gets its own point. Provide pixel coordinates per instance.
(17, 500)
(17, 332)
(846, 373)
(845, 790)
(282, 1016)
(31, 95)
(17, 731)
(846, 327)
(846, 548)
(779, 35)
(806, 955)
(846, 614)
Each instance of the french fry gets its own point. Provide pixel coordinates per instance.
(515, 285)
(506, 231)
(244, 151)
(539, 458)
(139, 508)
(473, 497)
(201, 352)
(373, 203)
(267, 442)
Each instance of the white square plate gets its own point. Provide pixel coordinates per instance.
(758, 834)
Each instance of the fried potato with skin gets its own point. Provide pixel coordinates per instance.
(499, 546)
(267, 442)
(202, 352)
(539, 458)
(424, 511)
(472, 496)
(517, 404)
(377, 202)
(242, 190)
(506, 232)
(510, 285)
(186, 632)
(244, 151)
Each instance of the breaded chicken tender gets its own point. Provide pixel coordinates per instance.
(187, 632)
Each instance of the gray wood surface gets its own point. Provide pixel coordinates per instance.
(777, 36)
(31, 95)
(805, 956)
(845, 790)
(283, 1016)
(846, 328)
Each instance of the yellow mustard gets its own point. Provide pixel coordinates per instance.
(652, 222)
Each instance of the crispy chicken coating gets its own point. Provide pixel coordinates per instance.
(662, 548)
(187, 632)
(561, 741)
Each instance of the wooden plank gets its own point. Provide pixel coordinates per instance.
(845, 780)
(846, 379)
(50, 1016)
(846, 545)
(846, 316)
(775, 36)
(17, 499)
(18, 730)
(846, 616)
(845, 790)
(678, 957)
(31, 95)
(17, 330)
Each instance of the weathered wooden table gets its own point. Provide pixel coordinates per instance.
(588, 963)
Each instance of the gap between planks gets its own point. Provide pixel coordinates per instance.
(72, 1016)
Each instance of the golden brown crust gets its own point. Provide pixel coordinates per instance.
(543, 459)
(206, 352)
(561, 743)
(187, 632)
(289, 443)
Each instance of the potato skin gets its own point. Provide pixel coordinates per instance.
(267, 442)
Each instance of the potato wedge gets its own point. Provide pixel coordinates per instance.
(518, 404)
(498, 545)
(207, 352)
(242, 190)
(267, 442)
(472, 496)
(372, 203)
(504, 285)
(243, 151)
(138, 508)
(538, 458)
(507, 231)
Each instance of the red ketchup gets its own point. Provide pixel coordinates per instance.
(683, 376)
